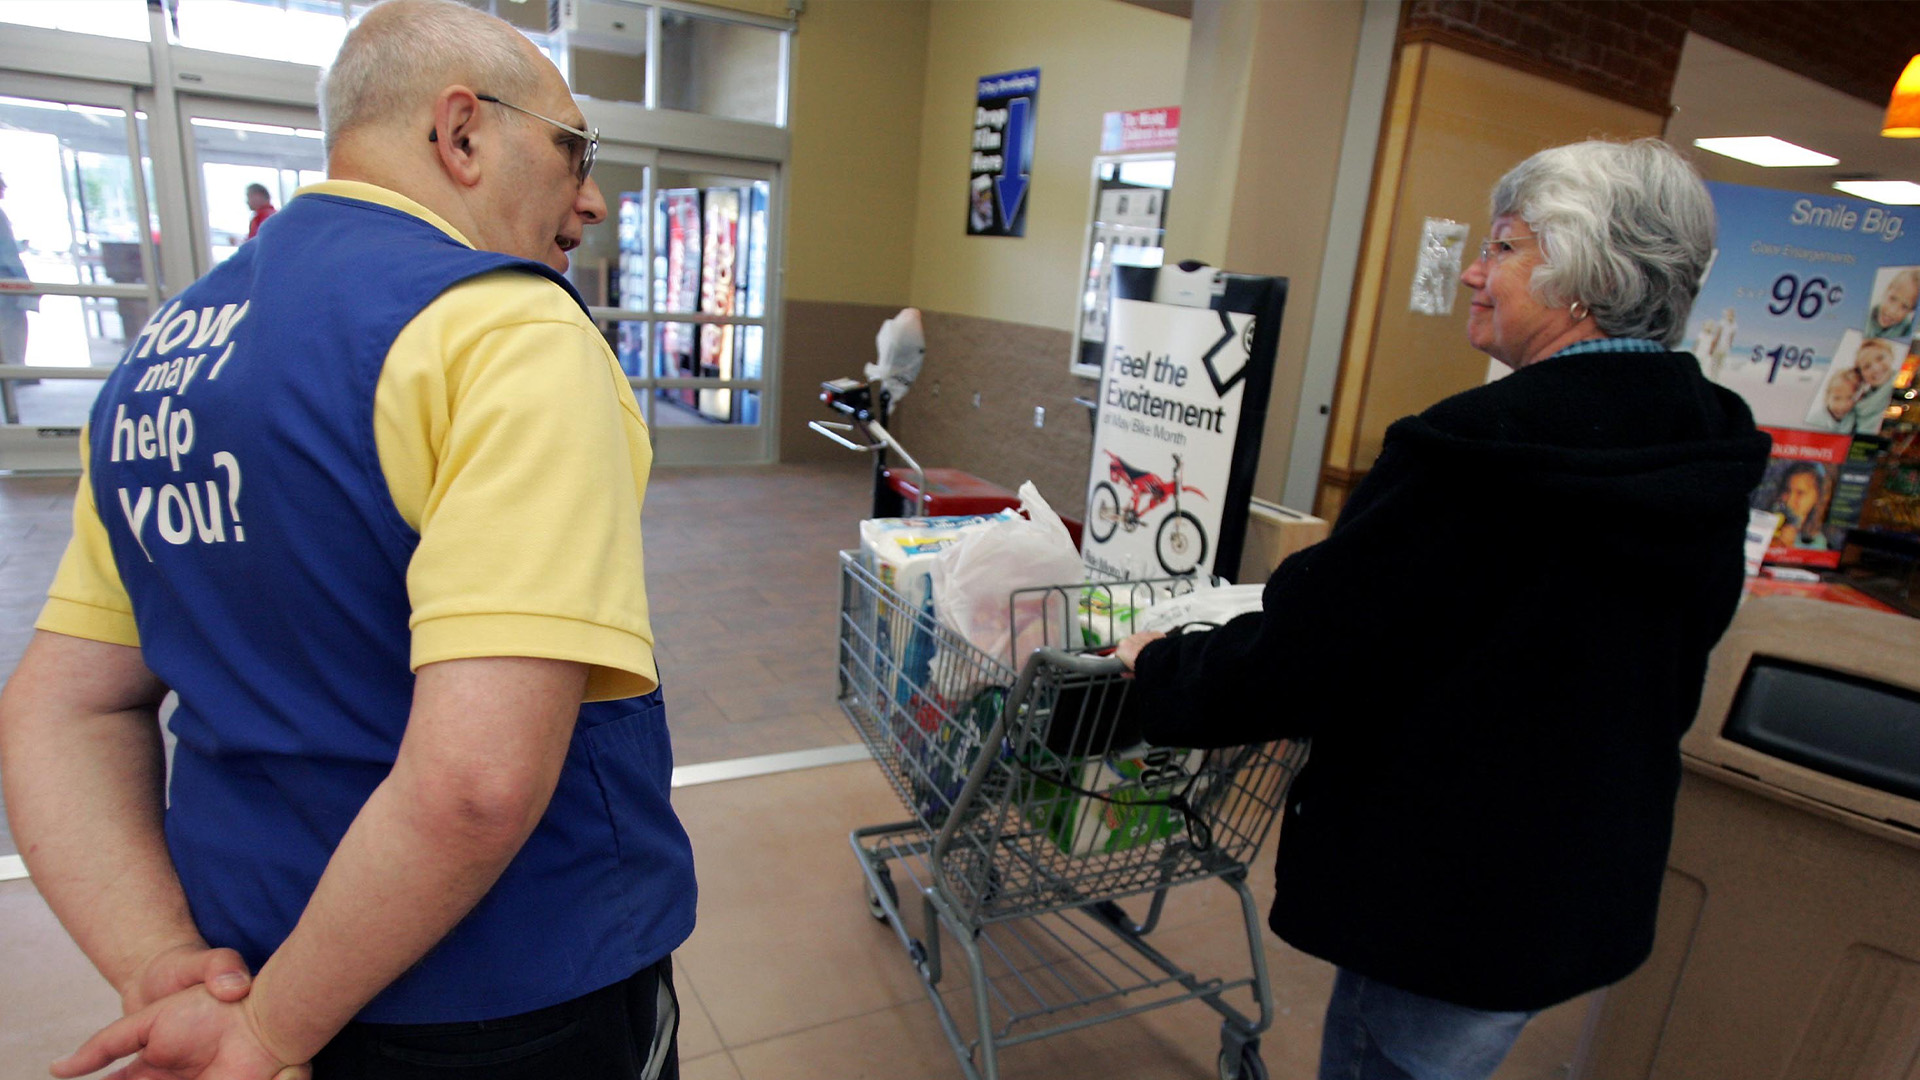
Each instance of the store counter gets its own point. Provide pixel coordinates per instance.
(1789, 928)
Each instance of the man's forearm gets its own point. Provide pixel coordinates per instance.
(399, 881)
(483, 751)
(84, 798)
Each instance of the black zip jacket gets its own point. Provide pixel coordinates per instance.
(1495, 653)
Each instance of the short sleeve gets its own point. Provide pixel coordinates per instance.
(529, 515)
(87, 598)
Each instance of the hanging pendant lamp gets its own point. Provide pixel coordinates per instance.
(1903, 112)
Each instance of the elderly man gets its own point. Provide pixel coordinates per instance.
(367, 497)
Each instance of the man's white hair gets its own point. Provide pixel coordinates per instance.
(403, 52)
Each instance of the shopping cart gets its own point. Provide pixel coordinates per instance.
(1034, 811)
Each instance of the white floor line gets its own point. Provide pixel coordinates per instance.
(14, 868)
(767, 764)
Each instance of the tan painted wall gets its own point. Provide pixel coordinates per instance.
(1458, 123)
(1268, 86)
(1212, 115)
(859, 73)
(1095, 57)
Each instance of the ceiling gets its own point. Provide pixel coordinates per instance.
(1722, 91)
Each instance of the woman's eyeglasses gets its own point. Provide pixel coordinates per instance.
(1502, 246)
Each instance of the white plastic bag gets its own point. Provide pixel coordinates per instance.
(972, 581)
(1217, 604)
(902, 345)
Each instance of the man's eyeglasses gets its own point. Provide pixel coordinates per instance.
(1503, 245)
(589, 140)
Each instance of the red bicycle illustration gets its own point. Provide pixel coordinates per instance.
(1179, 543)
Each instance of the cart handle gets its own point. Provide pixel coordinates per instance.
(876, 430)
(832, 431)
(1100, 663)
(879, 431)
(1078, 664)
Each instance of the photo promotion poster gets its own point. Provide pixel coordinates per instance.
(1005, 109)
(1807, 313)
(1799, 486)
(1182, 407)
(1799, 286)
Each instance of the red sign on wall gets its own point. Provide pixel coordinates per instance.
(1140, 131)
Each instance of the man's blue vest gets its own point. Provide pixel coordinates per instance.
(234, 466)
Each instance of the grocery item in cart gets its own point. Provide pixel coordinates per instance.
(975, 578)
(1210, 605)
(950, 743)
(1106, 618)
(901, 553)
(1115, 802)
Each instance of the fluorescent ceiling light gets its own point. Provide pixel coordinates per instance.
(1767, 151)
(1891, 192)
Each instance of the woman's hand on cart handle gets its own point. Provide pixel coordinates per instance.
(1129, 648)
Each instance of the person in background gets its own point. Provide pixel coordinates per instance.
(1892, 317)
(13, 308)
(261, 204)
(1484, 834)
(421, 778)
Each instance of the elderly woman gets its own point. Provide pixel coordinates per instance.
(1498, 648)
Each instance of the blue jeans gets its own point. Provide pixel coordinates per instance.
(1377, 1032)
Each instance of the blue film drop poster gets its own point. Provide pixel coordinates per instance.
(1005, 109)
(1807, 311)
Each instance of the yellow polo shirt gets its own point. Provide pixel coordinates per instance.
(511, 442)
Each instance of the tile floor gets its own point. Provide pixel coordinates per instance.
(787, 976)
(741, 572)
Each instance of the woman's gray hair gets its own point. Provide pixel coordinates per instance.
(1626, 230)
(403, 52)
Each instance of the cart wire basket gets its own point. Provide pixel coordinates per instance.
(1035, 808)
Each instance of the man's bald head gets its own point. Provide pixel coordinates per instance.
(403, 52)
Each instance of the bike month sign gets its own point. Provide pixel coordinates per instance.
(1170, 405)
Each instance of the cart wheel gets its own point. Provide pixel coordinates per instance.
(874, 907)
(1246, 1066)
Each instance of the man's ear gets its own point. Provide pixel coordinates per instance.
(456, 115)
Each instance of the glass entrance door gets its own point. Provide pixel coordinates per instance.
(247, 160)
(78, 263)
(678, 276)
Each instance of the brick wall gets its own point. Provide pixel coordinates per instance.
(1855, 46)
(1629, 50)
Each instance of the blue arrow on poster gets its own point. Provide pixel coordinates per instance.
(1013, 172)
(1006, 113)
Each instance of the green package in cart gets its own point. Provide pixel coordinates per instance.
(1103, 620)
(1114, 803)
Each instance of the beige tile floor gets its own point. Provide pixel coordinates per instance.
(741, 574)
(787, 976)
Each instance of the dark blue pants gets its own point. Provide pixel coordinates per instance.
(1378, 1032)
